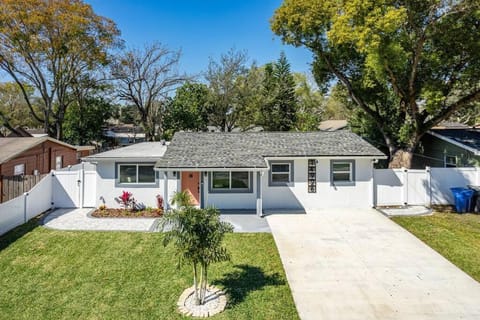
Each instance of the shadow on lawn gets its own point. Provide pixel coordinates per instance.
(245, 279)
(15, 234)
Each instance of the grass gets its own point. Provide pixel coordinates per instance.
(455, 236)
(49, 274)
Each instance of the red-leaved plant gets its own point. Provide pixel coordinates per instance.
(159, 201)
(127, 200)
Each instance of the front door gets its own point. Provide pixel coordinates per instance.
(191, 184)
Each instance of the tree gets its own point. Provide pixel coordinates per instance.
(406, 64)
(279, 109)
(338, 105)
(225, 80)
(13, 109)
(145, 78)
(84, 122)
(310, 104)
(50, 45)
(188, 109)
(197, 236)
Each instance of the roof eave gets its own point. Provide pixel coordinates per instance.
(454, 142)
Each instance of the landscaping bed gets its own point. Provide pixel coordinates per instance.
(127, 213)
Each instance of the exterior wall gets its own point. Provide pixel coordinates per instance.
(108, 189)
(434, 151)
(41, 158)
(296, 196)
(230, 200)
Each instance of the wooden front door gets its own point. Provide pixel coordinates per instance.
(191, 184)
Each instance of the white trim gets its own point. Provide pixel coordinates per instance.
(456, 143)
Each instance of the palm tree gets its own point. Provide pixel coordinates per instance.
(182, 199)
(197, 236)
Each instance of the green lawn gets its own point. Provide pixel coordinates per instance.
(48, 274)
(455, 236)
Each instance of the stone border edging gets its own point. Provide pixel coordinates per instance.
(203, 311)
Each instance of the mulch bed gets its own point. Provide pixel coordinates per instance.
(123, 213)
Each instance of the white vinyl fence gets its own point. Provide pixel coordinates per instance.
(23, 208)
(421, 187)
(59, 189)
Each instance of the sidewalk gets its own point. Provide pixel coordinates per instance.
(78, 219)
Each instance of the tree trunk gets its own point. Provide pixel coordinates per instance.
(401, 158)
(195, 284)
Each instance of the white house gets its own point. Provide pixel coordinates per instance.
(252, 170)
(273, 170)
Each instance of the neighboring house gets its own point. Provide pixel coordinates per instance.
(125, 135)
(449, 147)
(252, 171)
(26, 156)
(333, 125)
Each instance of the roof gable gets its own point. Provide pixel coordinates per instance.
(249, 149)
(12, 147)
(468, 139)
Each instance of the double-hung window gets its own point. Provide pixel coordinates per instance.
(342, 171)
(230, 181)
(450, 161)
(136, 174)
(281, 173)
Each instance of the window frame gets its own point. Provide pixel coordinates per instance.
(15, 169)
(137, 165)
(211, 189)
(351, 172)
(448, 164)
(58, 164)
(291, 176)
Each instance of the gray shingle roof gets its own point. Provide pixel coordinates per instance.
(248, 149)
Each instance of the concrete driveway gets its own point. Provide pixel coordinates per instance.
(357, 264)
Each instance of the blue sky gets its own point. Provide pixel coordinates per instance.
(202, 29)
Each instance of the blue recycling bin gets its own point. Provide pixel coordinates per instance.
(463, 198)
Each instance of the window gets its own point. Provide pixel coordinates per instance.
(19, 169)
(58, 162)
(281, 173)
(450, 161)
(136, 173)
(342, 172)
(234, 181)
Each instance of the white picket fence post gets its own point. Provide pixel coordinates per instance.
(428, 189)
(405, 186)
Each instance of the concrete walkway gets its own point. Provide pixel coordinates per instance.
(78, 219)
(357, 264)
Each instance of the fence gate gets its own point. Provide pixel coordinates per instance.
(66, 189)
(89, 189)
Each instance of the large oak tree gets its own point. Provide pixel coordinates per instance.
(50, 45)
(407, 64)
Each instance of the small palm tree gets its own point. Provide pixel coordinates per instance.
(182, 199)
(197, 235)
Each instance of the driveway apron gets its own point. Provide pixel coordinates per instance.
(358, 264)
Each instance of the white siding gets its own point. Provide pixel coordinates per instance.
(108, 190)
(230, 200)
(296, 196)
